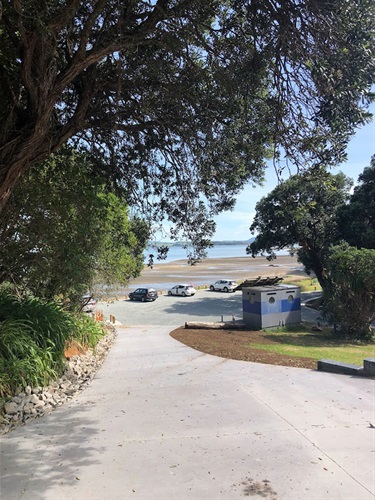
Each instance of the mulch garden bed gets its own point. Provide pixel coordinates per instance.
(234, 344)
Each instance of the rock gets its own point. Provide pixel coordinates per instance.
(27, 408)
(10, 408)
(33, 399)
(29, 403)
(39, 404)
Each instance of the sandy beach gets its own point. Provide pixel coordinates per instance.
(165, 275)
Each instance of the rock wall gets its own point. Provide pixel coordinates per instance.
(34, 402)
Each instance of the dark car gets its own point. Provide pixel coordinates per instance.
(143, 294)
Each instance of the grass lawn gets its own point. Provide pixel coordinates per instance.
(306, 284)
(303, 342)
(300, 346)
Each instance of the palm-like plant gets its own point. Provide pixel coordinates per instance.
(22, 361)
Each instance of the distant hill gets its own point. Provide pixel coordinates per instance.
(214, 242)
(230, 242)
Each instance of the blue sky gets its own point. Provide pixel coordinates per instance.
(235, 225)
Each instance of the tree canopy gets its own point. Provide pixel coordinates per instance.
(61, 231)
(357, 218)
(349, 299)
(180, 101)
(301, 211)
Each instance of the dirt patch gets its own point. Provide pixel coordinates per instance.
(235, 344)
(74, 349)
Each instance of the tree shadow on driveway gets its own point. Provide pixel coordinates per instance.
(210, 307)
(48, 452)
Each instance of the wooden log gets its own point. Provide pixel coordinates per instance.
(225, 325)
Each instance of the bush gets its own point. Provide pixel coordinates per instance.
(33, 334)
(349, 300)
(50, 325)
(22, 361)
(87, 332)
(33, 337)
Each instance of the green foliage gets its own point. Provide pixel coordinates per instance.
(49, 325)
(179, 101)
(119, 255)
(61, 231)
(301, 211)
(349, 301)
(356, 220)
(33, 336)
(87, 332)
(22, 361)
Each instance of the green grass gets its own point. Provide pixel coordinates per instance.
(306, 284)
(300, 341)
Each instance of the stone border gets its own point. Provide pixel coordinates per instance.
(32, 403)
(329, 365)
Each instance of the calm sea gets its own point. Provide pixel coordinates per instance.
(217, 251)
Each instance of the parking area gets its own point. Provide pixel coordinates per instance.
(166, 310)
(172, 310)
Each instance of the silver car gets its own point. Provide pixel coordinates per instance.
(224, 286)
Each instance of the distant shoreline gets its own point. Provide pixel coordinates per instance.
(181, 243)
(178, 252)
(211, 269)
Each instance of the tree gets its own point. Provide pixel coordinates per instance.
(356, 219)
(301, 211)
(62, 231)
(349, 300)
(179, 100)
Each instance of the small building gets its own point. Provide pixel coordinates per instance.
(270, 306)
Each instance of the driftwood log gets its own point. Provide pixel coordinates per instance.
(225, 325)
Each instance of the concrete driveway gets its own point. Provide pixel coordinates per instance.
(203, 306)
(163, 421)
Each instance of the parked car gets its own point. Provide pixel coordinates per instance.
(184, 290)
(224, 286)
(144, 294)
(89, 303)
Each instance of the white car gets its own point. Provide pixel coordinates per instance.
(224, 286)
(184, 290)
(89, 304)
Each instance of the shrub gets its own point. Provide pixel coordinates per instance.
(33, 336)
(33, 333)
(22, 361)
(87, 332)
(50, 325)
(349, 301)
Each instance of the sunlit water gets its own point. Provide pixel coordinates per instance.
(217, 251)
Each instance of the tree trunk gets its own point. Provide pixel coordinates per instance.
(9, 178)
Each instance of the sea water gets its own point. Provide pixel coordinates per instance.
(218, 251)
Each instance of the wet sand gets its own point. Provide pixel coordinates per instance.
(165, 275)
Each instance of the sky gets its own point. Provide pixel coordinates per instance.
(235, 225)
